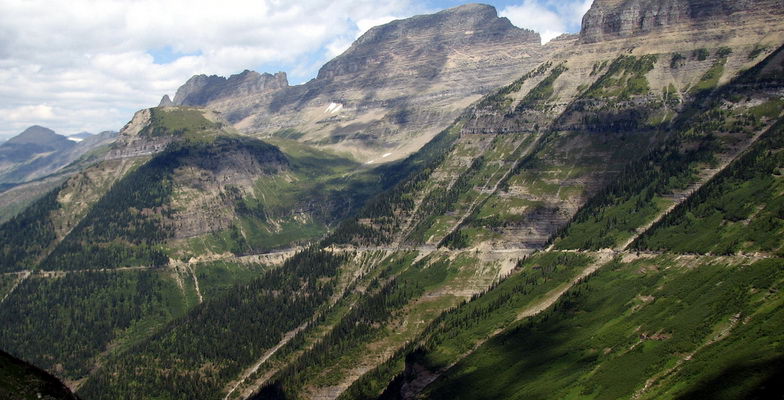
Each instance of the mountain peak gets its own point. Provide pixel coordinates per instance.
(166, 101)
(37, 134)
(427, 36)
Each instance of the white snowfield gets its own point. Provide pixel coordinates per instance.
(333, 108)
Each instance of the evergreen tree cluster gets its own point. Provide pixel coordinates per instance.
(25, 237)
(196, 355)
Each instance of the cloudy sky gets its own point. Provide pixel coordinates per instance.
(87, 65)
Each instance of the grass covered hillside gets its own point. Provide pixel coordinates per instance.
(662, 327)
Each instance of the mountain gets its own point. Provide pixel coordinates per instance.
(395, 88)
(30, 175)
(166, 101)
(20, 380)
(202, 90)
(608, 224)
(34, 141)
(608, 20)
(39, 151)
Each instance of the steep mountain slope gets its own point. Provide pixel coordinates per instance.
(512, 172)
(162, 223)
(720, 138)
(396, 87)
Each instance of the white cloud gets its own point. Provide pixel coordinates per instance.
(549, 18)
(88, 65)
(41, 112)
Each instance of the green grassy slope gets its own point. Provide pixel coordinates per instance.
(681, 327)
(741, 210)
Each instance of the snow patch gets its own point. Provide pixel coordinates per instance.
(333, 108)
(386, 155)
(74, 139)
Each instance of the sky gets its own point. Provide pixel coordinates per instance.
(88, 65)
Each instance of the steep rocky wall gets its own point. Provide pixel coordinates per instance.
(612, 19)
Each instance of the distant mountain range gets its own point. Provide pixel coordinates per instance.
(39, 151)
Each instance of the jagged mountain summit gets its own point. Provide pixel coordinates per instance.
(387, 95)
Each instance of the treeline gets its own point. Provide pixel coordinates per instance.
(500, 100)
(368, 317)
(25, 237)
(625, 77)
(541, 93)
(630, 200)
(441, 201)
(198, 354)
(128, 225)
(624, 204)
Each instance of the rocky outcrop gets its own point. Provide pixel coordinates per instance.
(200, 90)
(612, 19)
(166, 101)
(396, 87)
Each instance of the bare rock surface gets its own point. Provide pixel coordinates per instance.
(387, 95)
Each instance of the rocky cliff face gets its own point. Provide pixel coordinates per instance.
(390, 92)
(410, 42)
(612, 19)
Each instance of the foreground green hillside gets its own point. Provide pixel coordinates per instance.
(661, 327)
